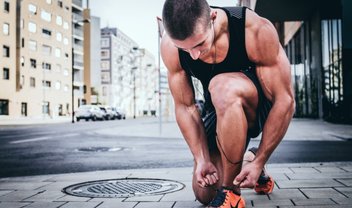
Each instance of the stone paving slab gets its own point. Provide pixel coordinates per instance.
(296, 185)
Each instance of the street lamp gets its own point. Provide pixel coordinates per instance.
(72, 65)
(141, 52)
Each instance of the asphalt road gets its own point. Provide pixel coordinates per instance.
(65, 148)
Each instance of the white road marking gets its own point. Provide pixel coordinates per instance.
(42, 138)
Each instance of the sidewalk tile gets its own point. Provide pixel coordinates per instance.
(344, 201)
(4, 192)
(17, 196)
(45, 205)
(310, 202)
(22, 185)
(46, 196)
(152, 198)
(330, 170)
(304, 170)
(286, 194)
(70, 198)
(308, 176)
(188, 204)
(185, 194)
(275, 202)
(346, 182)
(155, 204)
(81, 204)
(117, 204)
(13, 204)
(313, 183)
(346, 191)
(322, 193)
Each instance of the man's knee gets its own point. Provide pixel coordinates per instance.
(203, 195)
(224, 93)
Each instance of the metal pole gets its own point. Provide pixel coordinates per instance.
(73, 108)
(159, 74)
(134, 93)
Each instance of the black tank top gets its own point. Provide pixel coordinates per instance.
(236, 59)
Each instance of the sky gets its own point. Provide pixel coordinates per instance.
(137, 18)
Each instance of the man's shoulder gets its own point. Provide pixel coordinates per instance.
(169, 54)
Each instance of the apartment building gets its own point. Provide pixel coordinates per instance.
(36, 78)
(7, 57)
(128, 74)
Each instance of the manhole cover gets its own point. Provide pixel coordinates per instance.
(121, 188)
(100, 149)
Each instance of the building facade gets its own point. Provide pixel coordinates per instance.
(35, 63)
(317, 39)
(128, 74)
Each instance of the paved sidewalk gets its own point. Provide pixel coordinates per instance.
(297, 185)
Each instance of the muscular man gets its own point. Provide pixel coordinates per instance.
(246, 80)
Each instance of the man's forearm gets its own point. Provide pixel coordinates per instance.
(191, 126)
(274, 130)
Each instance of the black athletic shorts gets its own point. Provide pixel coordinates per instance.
(264, 107)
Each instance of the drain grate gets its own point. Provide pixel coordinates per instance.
(121, 188)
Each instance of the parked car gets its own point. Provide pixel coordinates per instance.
(200, 106)
(88, 112)
(108, 113)
(120, 113)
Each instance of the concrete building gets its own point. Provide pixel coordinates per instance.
(95, 40)
(128, 74)
(317, 38)
(78, 22)
(36, 58)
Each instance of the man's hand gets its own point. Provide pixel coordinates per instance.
(248, 176)
(206, 174)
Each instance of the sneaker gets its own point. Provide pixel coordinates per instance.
(265, 184)
(226, 198)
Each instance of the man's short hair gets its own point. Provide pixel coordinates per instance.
(181, 16)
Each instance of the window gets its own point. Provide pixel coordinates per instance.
(6, 74)
(32, 82)
(66, 72)
(22, 61)
(105, 42)
(6, 6)
(46, 50)
(48, 1)
(32, 45)
(4, 107)
(6, 51)
(46, 84)
(46, 66)
(105, 65)
(59, 20)
(24, 109)
(59, 3)
(58, 85)
(66, 88)
(45, 108)
(46, 33)
(22, 42)
(46, 16)
(32, 27)
(32, 9)
(57, 52)
(33, 63)
(66, 41)
(59, 37)
(6, 29)
(105, 53)
(66, 25)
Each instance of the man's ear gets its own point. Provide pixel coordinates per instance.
(213, 14)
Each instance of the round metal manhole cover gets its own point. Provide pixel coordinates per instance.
(121, 188)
